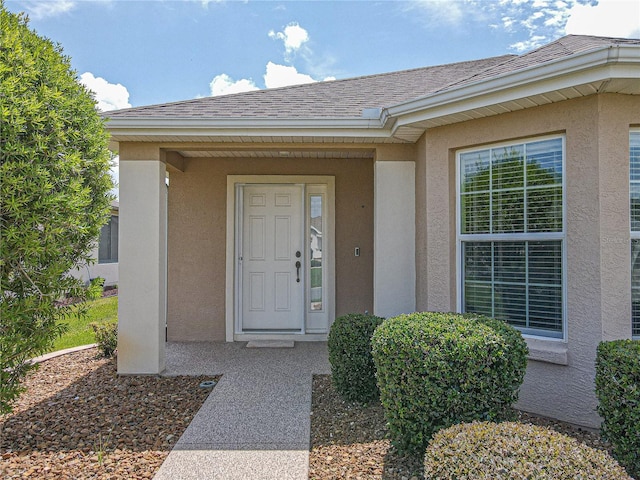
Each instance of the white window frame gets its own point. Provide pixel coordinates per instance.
(634, 235)
(317, 319)
(515, 237)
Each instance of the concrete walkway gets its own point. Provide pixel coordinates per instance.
(255, 424)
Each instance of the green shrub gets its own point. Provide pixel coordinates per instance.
(515, 451)
(352, 369)
(95, 288)
(438, 369)
(54, 194)
(106, 337)
(618, 391)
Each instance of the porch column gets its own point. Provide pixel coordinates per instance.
(394, 262)
(142, 261)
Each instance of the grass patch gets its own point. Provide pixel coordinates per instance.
(79, 331)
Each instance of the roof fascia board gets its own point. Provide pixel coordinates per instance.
(199, 127)
(595, 65)
(121, 135)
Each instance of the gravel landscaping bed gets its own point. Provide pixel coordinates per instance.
(349, 441)
(78, 419)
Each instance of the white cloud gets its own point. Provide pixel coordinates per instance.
(533, 23)
(205, 3)
(110, 96)
(283, 75)
(538, 3)
(47, 8)
(545, 20)
(529, 44)
(609, 18)
(275, 76)
(507, 23)
(294, 37)
(444, 11)
(223, 84)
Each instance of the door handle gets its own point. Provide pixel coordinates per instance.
(298, 265)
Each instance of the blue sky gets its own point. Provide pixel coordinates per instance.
(133, 53)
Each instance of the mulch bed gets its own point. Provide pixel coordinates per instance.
(350, 441)
(79, 419)
(110, 292)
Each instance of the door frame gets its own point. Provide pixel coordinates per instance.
(232, 321)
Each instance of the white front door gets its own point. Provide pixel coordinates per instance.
(272, 258)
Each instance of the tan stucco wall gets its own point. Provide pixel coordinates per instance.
(597, 236)
(197, 237)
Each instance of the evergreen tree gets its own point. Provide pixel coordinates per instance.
(54, 193)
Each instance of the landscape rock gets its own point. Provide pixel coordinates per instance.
(79, 419)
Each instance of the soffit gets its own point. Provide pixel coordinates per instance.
(280, 153)
(258, 139)
(626, 86)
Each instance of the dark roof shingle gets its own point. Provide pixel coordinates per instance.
(332, 99)
(563, 47)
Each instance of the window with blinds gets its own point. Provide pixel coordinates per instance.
(511, 234)
(108, 244)
(634, 189)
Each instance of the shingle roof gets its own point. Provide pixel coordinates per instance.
(565, 46)
(349, 97)
(332, 99)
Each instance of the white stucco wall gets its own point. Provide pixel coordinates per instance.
(143, 261)
(108, 271)
(394, 267)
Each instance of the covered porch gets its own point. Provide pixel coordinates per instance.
(185, 248)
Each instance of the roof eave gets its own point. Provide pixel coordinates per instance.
(622, 61)
(246, 127)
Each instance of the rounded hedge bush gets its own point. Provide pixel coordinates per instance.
(513, 450)
(352, 368)
(618, 392)
(438, 369)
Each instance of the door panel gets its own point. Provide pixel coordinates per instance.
(282, 243)
(272, 220)
(257, 234)
(256, 292)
